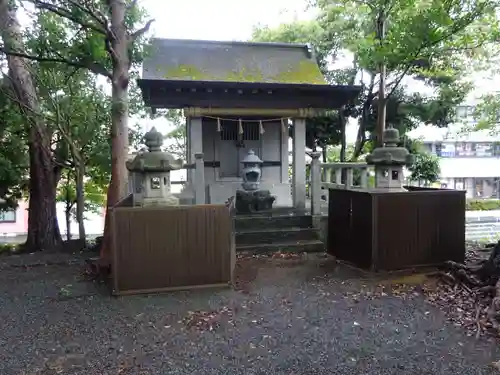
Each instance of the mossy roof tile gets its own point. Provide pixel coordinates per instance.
(197, 60)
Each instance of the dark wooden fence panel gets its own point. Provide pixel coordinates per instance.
(361, 222)
(397, 230)
(348, 214)
(422, 228)
(339, 226)
(169, 248)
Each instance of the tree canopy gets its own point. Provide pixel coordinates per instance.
(428, 42)
(71, 43)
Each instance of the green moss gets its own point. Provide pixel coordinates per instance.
(185, 72)
(304, 72)
(245, 75)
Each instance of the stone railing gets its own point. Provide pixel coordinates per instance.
(195, 189)
(324, 176)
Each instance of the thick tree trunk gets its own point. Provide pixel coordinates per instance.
(118, 186)
(381, 116)
(68, 206)
(67, 213)
(43, 231)
(80, 202)
(57, 177)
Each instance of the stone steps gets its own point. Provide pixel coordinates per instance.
(271, 232)
(272, 222)
(312, 246)
(277, 235)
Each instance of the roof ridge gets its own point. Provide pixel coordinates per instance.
(236, 42)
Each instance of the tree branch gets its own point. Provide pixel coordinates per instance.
(65, 13)
(90, 65)
(132, 5)
(96, 15)
(137, 34)
(397, 81)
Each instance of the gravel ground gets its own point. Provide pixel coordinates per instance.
(288, 317)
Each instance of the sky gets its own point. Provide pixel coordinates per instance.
(219, 19)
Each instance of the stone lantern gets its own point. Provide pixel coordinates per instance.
(151, 173)
(252, 198)
(252, 171)
(389, 161)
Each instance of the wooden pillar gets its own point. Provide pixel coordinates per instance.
(199, 180)
(195, 141)
(315, 184)
(299, 164)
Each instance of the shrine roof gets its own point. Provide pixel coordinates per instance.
(209, 74)
(201, 60)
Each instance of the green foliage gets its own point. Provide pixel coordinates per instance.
(301, 32)
(175, 140)
(487, 112)
(78, 34)
(8, 248)
(13, 151)
(73, 105)
(433, 42)
(425, 168)
(482, 204)
(333, 154)
(95, 195)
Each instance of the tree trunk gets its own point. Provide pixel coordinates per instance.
(43, 232)
(57, 177)
(381, 116)
(68, 203)
(118, 187)
(67, 213)
(361, 137)
(80, 202)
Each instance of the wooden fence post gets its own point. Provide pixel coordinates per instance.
(199, 179)
(315, 183)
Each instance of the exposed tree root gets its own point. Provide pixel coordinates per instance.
(97, 271)
(483, 280)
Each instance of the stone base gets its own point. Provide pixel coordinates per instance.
(165, 201)
(253, 201)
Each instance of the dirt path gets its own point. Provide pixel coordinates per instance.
(286, 318)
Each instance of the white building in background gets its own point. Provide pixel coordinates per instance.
(469, 161)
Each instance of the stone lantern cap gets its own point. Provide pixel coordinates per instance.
(154, 160)
(251, 158)
(390, 153)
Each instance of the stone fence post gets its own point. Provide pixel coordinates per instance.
(315, 183)
(199, 179)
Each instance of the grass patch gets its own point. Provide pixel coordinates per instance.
(8, 248)
(482, 204)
